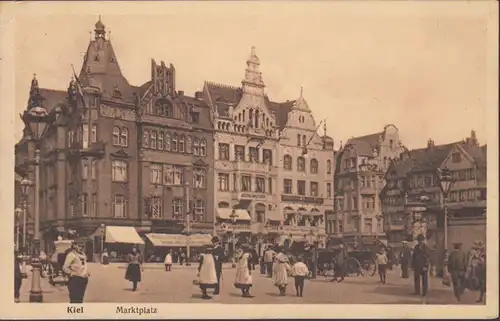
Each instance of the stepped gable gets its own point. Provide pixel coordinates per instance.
(365, 145)
(100, 69)
(281, 111)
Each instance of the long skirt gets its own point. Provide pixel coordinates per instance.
(133, 273)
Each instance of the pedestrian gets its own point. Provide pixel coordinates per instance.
(281, 268)
(243, 280)
(18, 277)
(299, 272)
(134, 268)
(207, 276)
(390, 257)
(269, 255)
(105, 257)
(76, 267)
(420, 264)
(168, 261)
(457, 266)
(481, 270)
(405, 259)
(43, 261)
(340, 258)
(219, 256)
(261, 261)
(382, 262)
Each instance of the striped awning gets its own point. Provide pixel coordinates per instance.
(179, 240)
(225, 214)
(122, 234)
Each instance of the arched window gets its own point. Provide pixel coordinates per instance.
(116, 136)
(267, 122)
(287, 162)
(304, 143)
(153, 139)
(189, 145)
(298, 139)
(243, 116)
(250, 117)
(196, 147)
(167, 141)
(203, 147)
(239, 117)
(314, 166)
(328, 166)
(301, 164)
(174, 142)
(124, 137)
(257, 119)
(94, 133)
(181, 144)
(145, 138)
(160, 140)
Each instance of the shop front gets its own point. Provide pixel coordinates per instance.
(159, 244)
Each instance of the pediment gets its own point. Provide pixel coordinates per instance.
(121, 153)
(199, 163)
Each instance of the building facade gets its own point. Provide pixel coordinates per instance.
(120, 154)
(415, 176)
(359, 178)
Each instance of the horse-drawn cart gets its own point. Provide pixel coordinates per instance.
(56, 274)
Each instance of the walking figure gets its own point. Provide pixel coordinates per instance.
(168, 261)
(405, 259)
(219, 257)
(207, 277)
(243, 279)
(281, 268)
(457, 266)
(420, 265)
(76, 267)
(18, 277)
(382, 263)
(340, 258)
(134, 268)
(299, 272)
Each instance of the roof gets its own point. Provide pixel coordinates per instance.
(476, 152)
(52, 98)
(281, 111)
(365, 145)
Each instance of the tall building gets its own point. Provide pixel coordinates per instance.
(124, 155)
(415, 175)
(359, 178)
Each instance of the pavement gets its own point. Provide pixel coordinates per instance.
(108, 284)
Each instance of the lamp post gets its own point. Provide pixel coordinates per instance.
(17, 212)
(25, 188)
(234, 218)
(103, 230)
(37, 119)
(445, 183)
(188, 239)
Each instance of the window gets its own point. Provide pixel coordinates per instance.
(153, 139)
(270, 185)
(72, 209)
(167, 141)
(189, 145)
(94, 169)
(84, 204)
(314, 166)
(239, 153)
(119, 171)
(161, 135)
(173, 175)
(175, 138)
(341, 226)
(195, 117)
(328, 166)
(314, 189)
(287, 186)
(235, 185)
(301, 187)
(328, 189)
(119, 206)
(298, 139)
(246, 183)
(456, 157)
(124, 137)
(116, 136)
(354, 202)
(85, 168)
(254, 154)
(181, 144)
(287, 162)
(196, 146)
(177, 206)
(301, 164)
(267, 156)
(203, 147)
(304, 141)
(260, 184)
(199, 210)
(223, 182)
(223, 151)
(156, 207)
(156, 174)
(145, 138)
(199, 178)
(94, 133)
(368, 225)
(71, 137)
(94, 204)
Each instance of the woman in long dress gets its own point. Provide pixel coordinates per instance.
(134, 268)
(281, 268)
(243, 279)
(168, 261)
(207, 276)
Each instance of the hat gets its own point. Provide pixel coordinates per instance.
(215, 239)
(479, 244)
(420, 237)
(457, 244)
(80, 241)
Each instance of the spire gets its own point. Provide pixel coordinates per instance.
(253, 76)
(324, 127)
(301, 91)
(35, 99)
(100, 32)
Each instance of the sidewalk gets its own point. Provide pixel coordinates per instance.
(161, 266)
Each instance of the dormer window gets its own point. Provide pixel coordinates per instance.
(117, 93)
(97, 58)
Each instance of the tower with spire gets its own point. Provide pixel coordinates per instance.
(253, 82)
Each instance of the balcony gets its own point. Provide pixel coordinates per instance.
(302, 199)
(365, 190)
(261, 168)
(87, 149)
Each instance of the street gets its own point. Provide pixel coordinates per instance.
(107, 284)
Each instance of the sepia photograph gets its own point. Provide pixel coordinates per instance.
(261, 156)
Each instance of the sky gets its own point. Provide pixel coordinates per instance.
(424, 67)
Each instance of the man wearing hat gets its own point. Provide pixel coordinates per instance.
(457, 266)
(405, 258)
(219, 254)
(420, 264)
(76, 267)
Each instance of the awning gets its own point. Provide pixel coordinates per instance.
(225, 214)
(179, 240)
(275, 216)
(288, 211)
(315, 213)
(122, 234)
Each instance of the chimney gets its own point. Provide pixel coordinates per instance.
(181, 93)
(473, 138)
(430, 143)
(197, 95)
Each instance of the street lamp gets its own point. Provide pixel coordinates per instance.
(234, 218)
(37, 119)
(25, 188)
(188, 239)
(445, 183)
(103, 230)
(18, 213)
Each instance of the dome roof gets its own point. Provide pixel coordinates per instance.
(99, 25)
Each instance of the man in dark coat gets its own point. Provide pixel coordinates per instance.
(404, 259)
(18, 277)
(457, 266)
(219, 254)
(340, 264)
(420, 264)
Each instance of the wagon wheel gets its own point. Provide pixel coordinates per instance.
(371, 268)
(353, 267)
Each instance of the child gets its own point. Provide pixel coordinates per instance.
(299, 272)
(382, 261)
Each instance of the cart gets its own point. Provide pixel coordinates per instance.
(56, 274)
